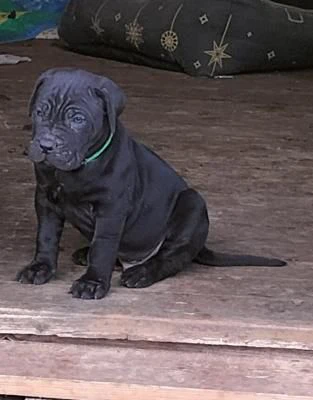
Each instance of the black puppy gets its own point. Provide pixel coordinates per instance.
(128, 203)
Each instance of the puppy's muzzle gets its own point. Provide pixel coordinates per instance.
(46, 148)
(48, 143)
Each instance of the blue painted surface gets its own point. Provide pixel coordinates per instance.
(37, 16)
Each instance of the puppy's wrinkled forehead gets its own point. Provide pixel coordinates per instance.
(61, 87)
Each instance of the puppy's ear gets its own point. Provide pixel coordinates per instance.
(114, 100)
(34, 94)
(37, 86)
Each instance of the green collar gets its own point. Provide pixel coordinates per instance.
(100, 151)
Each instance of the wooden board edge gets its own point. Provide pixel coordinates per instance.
(82, 390)
(119, 327)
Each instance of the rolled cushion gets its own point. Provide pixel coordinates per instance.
(199, 37)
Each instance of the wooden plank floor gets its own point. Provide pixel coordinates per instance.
(246, 144)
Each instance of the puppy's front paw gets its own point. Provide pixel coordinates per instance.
(37, 273)
(138, 277)
(88, 289)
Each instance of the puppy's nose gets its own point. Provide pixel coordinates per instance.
(46, 145)
(45, 149)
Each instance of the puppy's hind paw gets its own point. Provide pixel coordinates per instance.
(138, 277)
(36, 273)
(80, 256)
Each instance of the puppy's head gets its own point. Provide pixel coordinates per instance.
(74, 112)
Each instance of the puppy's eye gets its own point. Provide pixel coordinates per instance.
(78, 119)
(42, 111)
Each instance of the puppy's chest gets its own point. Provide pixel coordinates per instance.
(77, 192)
(60, 192)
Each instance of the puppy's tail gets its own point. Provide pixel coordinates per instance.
(214, 259)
